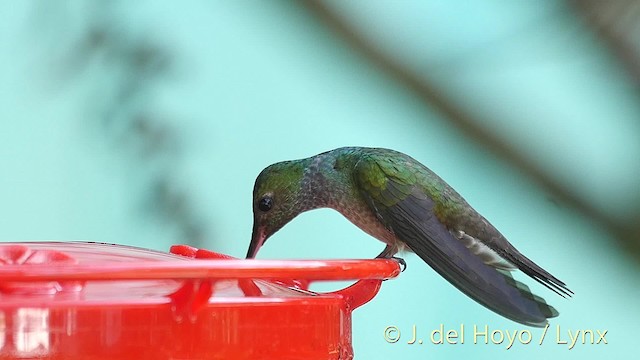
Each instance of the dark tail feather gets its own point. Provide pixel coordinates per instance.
(547, 310)
(536, 272)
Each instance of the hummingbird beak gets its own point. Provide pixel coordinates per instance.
(258, 238)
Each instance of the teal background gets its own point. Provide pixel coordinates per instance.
(147, 123)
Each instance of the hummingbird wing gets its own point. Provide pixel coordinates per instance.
(392, 190)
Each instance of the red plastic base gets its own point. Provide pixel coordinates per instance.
(100, 301)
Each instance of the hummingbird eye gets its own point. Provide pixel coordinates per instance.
(265, 204)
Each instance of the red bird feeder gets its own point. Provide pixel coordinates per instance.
(100, 301)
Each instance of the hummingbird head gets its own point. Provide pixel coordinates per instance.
(277, 199)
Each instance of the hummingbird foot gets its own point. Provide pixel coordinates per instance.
(389, 252)
(401, 262)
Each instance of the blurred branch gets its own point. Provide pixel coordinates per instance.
(617, 24)
(468, 124)
(130, 68)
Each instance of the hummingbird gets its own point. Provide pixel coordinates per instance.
(404, 204)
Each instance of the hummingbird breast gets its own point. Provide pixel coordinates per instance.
(330, 186)
(360, 214)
